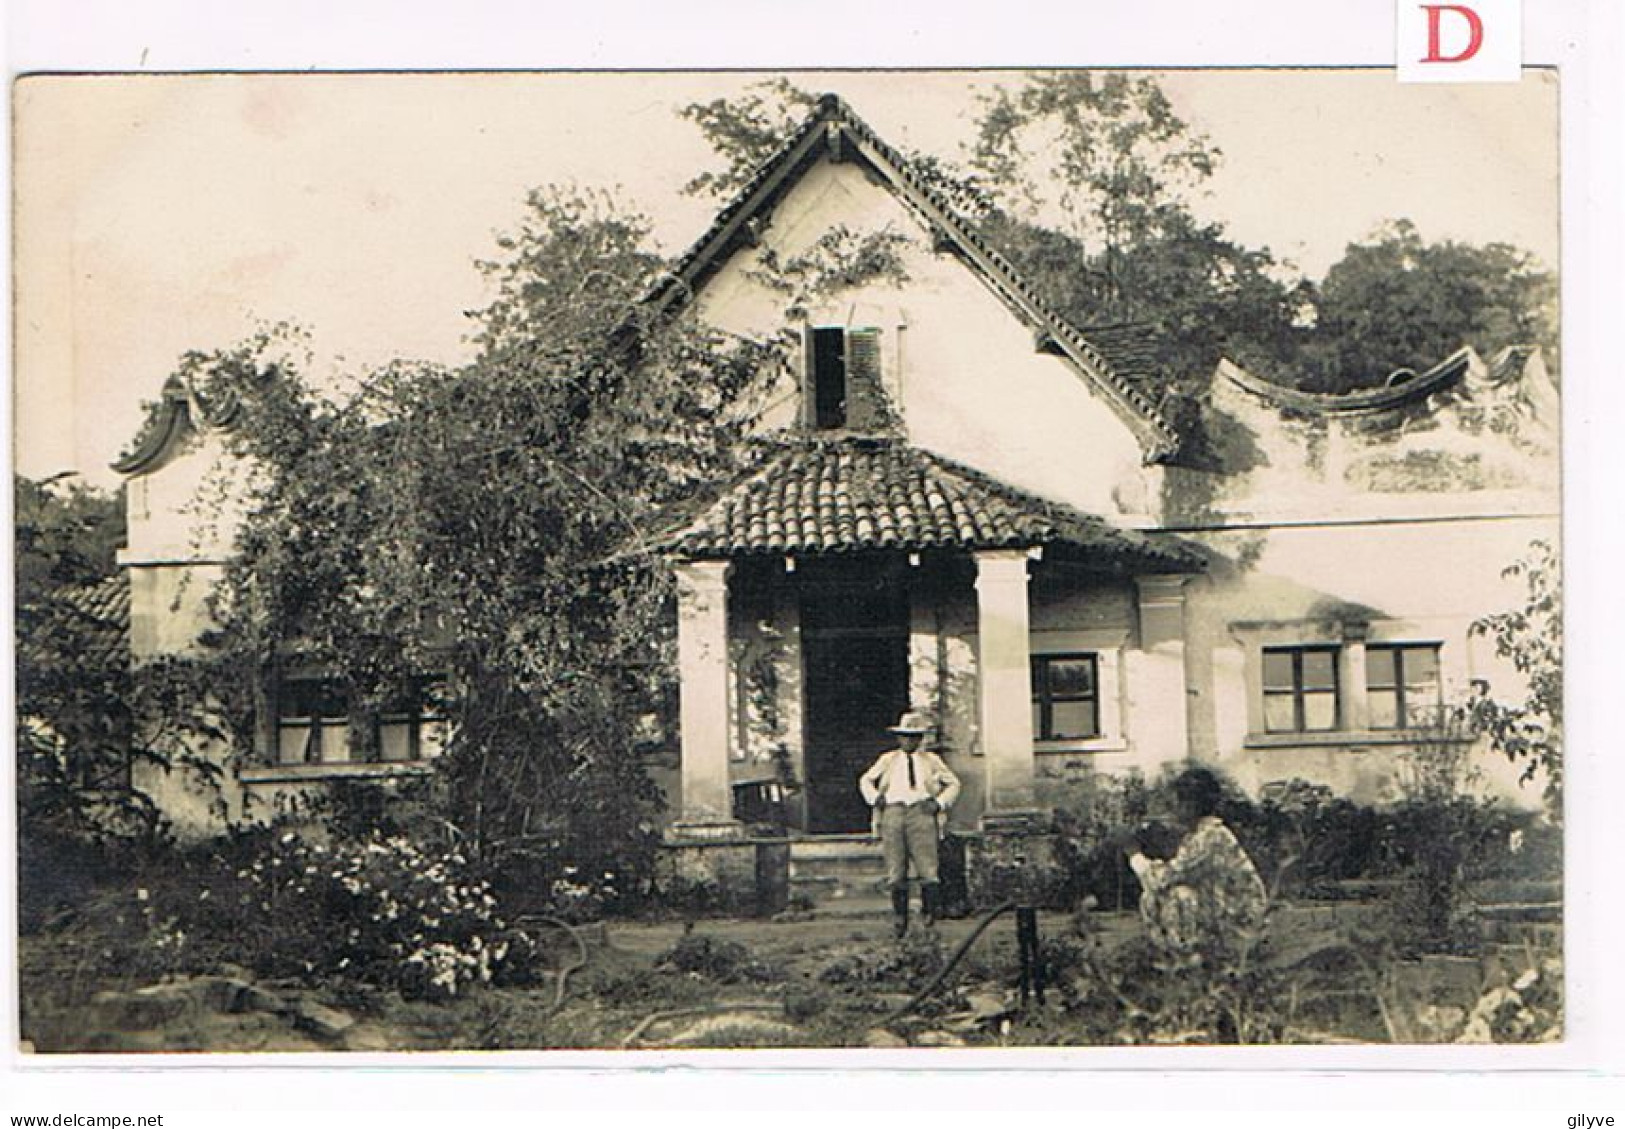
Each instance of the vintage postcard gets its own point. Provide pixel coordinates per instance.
(855, 559)
(742, 552)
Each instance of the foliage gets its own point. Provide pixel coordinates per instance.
(1527, 1008)
(1138, 993)
(746, 131)
(727, 962)
(381, 910)
(1438, 837)
(910, 964)
(1398, 303)
(839, 259)
(84, 718)
(1093, 175)
(1529, 732)
(479, 536)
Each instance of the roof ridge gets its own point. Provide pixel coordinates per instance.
(996, 271)
(1440, 376)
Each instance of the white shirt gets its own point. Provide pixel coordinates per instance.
(896, 787)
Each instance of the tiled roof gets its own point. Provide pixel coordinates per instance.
(95, 618)
(851, 495)
(833, 124)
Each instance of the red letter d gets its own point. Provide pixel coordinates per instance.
(1475, 33)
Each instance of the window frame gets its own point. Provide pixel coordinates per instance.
(358, 735)
(1400, 685)
(1042, 696)
(1299, 691)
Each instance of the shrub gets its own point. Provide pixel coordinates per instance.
(380, 909)
(727, 962)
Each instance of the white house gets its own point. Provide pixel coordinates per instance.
(964, 505)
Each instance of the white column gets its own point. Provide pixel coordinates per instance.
(702, 660)
(1353, 706)
(1004, 676)
(1156, 677)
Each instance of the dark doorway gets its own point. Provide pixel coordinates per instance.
(855, 647)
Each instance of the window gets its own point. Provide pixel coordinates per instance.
(1402, 682)
(1066, 697)
(828, 378)
(411, 729)
(1300, 689)
(314, 725)
(843, 389)
(313, 722)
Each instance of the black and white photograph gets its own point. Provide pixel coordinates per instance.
(892, 560)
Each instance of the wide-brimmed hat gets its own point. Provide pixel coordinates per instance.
(912, 721)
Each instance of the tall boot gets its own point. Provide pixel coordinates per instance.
(930, 902)
(899, 908)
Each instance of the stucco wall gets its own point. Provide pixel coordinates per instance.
(958, 362)
(1398, 582)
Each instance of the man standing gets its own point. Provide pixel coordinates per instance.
(910, 790)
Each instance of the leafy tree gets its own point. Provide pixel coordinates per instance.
(480, 535)
(1528, 728)
(1081, 180)
(1398, 302)
(73, 679)
(746, 131)
(1093, 176)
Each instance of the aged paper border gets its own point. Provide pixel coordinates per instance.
(103, 35)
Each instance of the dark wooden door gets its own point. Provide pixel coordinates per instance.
(856, 656)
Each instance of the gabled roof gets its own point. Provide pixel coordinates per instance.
(834, 129)
(820, 496)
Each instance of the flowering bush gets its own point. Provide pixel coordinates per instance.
(379, 909)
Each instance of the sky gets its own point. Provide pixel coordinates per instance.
(157, 214)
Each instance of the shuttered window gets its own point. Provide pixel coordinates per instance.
(842, 388)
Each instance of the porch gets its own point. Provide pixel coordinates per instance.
(848, 580)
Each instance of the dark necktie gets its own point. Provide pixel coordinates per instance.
(911, 781)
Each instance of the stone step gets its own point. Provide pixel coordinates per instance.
(835, 846)
(837, 870)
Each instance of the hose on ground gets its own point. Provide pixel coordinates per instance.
(941, 977)
(563, 975)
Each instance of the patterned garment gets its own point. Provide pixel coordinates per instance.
(1207, 899)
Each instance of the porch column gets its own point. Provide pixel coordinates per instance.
(702, 662)
(1157, 683)
(1004, 675)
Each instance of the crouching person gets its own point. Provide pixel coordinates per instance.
(910, 790)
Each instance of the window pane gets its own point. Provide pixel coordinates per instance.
(1384, 708)
(335, 743)
(1278, 670)
(1073, 720)
(395, 739)
(1319, 710)
(1379, 666)
(292, 743)
(1319, 670)
(1038, 723)
(1421, 665)
(1278, 716)
(1072, 678)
